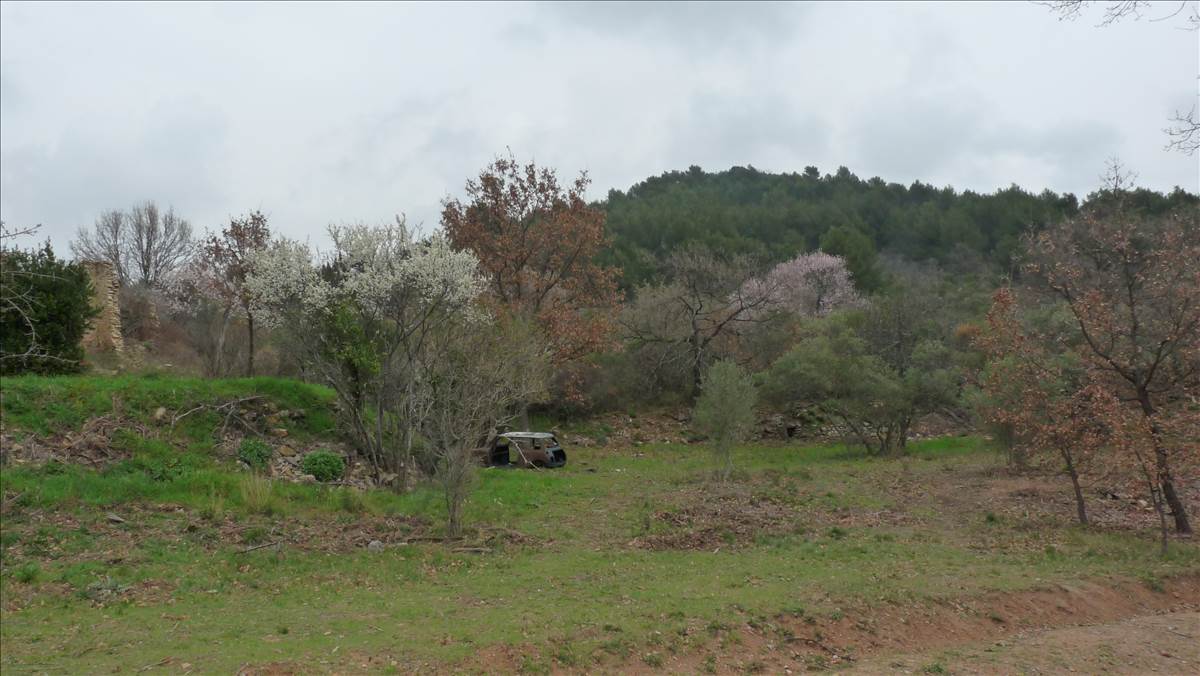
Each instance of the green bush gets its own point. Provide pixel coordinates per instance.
(255, 453)
(323, 465)
(45, 311)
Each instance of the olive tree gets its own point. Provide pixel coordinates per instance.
(875, 391)
(725, 411)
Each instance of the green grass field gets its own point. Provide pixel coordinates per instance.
(625, 556)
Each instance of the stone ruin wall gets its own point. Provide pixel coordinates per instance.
(105, 332)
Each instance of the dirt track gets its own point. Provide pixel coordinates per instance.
(1099, 626)
(1158, 644)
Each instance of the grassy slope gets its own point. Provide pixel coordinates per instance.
(45, 405)
(581, 596)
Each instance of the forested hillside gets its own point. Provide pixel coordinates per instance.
(743, 210)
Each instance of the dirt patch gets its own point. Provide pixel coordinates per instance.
(708, 519)
(739, 514)
(327, 535)
(1165, 644)
(799, 642)
(1040, 496)
(52, 535)
(894, 637)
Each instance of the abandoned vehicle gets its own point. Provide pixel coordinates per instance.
(525, 449)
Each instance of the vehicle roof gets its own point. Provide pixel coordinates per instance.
(528, 435)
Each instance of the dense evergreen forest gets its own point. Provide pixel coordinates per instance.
(744, 210)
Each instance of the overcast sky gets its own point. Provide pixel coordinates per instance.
(320, 113)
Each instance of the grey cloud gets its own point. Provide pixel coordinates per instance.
(319, 113)
(965, 145)
(704, 25)
(177, 159)
(770, 132)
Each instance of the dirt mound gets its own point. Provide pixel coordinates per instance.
(708, 520)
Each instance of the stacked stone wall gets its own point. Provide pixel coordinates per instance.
(105, 332)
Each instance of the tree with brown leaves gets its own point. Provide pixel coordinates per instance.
(1042, 393)
(537, 243)
(1132, 286)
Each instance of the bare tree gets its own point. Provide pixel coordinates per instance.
(159, 243)
(1184, 132)
(106, 241)
(1070, 10)
(223, 264)
(475, 380)
(145, 245)
(705, 299)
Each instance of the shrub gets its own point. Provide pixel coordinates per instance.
(46, 310)
(255, 453)
(324, 465)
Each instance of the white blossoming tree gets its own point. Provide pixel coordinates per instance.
(362, 317)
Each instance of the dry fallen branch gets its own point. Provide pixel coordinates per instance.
(262, 546)
(229, 409)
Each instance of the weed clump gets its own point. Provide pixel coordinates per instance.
(213, 508)
(352, 501)
(258, 496)
(27, 573)
(254, 453)
(324, 465)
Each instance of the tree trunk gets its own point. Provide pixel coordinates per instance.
(456, 492)
(724, 452)
(1080, 506)
(697, 358)
(1163, 463)
(250, 353)
(453, 516)
(900, 443)
(402, 472)
(219, 357)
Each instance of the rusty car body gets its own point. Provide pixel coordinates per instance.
(525, 449)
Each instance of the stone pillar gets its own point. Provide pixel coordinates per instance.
(105, 332)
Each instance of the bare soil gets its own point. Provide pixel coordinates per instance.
(1100, 626)
(1153, 644)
